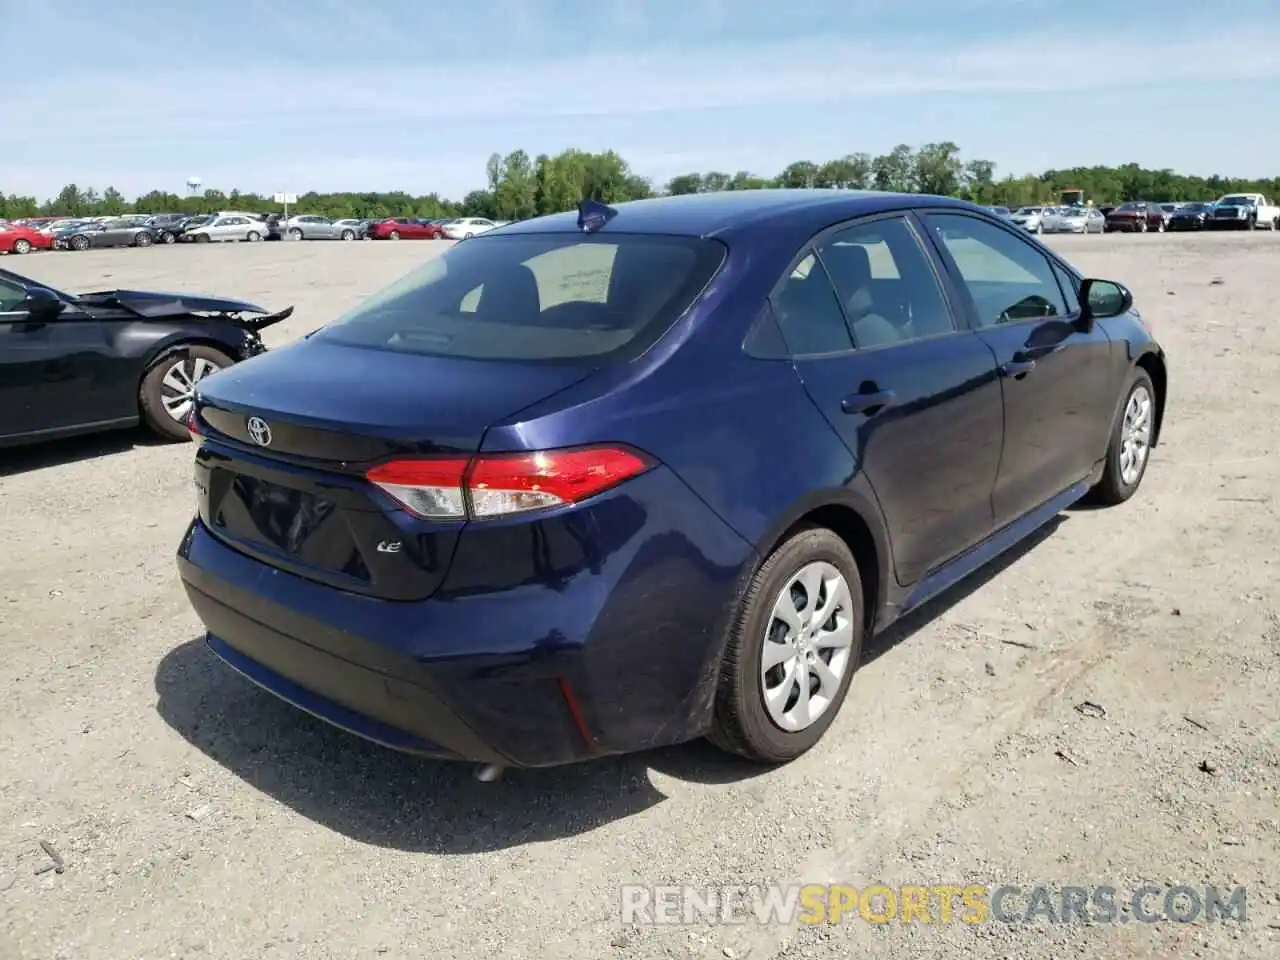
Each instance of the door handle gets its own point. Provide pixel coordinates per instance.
(870, 403)
(1018, 367)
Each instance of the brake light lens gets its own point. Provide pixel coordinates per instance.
(496, 485)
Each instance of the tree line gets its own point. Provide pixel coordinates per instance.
(520, 186)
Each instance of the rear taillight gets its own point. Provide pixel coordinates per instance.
(494, 485)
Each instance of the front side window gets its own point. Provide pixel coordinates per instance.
(536, 297)
(1007, 278)
(10, 296)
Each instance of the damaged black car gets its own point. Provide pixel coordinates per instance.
(90, 362)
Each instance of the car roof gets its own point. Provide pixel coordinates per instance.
(728, 212)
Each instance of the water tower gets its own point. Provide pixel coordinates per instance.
(193, 186)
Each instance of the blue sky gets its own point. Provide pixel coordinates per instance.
(301, 95)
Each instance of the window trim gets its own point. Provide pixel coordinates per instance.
(907, 215)
(970, 309)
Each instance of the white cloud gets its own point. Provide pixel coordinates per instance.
(320, 122)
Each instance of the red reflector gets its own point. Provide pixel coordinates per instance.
(193, 424)
(500, 484)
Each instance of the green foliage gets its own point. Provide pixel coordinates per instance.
(521, 187)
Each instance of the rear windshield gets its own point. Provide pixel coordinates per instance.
(536, 297)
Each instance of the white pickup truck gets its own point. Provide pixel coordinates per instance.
(1243, 211)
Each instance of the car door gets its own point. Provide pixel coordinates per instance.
(53, 374)
(1056, 378)
(914, 397)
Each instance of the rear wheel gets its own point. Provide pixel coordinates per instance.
(143, 240)
(394, 235)
(168, 388)
(1129, 451)
(348, 235)
(168, 237)
(792, 650)
(79, 243)
(202, 238)
(1160, 226)
(22, 245)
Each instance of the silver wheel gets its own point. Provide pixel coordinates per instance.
(22, 245)
(807, 646)
(179, 383)
(1135, 435)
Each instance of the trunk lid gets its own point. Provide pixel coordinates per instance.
(291, 433)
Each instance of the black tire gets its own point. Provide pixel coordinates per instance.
(348, 235)
(21, 245)
(741, 722)
(79, 243)
(150, 392)
(1112, 489)
(202, 238)
(253, 236)
(168, 237)
(143, 240)
(295, 234)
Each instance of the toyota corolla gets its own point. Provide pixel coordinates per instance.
(602, 481)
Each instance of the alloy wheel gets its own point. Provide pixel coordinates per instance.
(807, 646)
(177, 388)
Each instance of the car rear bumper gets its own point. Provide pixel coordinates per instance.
(614, 652)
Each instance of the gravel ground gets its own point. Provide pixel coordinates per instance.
(199, 817)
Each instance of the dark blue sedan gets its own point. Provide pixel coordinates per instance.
(602, 481)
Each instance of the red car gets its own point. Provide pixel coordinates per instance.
(405, 228)
(1137, 216)
(15, 239)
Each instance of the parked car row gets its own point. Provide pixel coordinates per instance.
(1248, 211)
(52, 233)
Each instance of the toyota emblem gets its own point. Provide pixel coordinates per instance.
(259, 432)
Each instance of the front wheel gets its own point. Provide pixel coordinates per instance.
(792, 650)
(79, 243)
(202, 238)
(168, 389)
(394, 235)
(348, 235)
(1160, 227)
(1129, 450)
(253, 236)
(22, 245)
(143, 240)
(1039, 228)
(168, 237)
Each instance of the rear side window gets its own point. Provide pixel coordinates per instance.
(808, 311)
(887, 287)
(537, 297)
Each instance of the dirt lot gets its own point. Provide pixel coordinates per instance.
(198, 817)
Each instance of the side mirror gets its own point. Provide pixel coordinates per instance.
(1100, 299)
(42, 305)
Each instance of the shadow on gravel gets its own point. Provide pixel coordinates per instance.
(922, 616)
(16, 460)
(379, 796)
